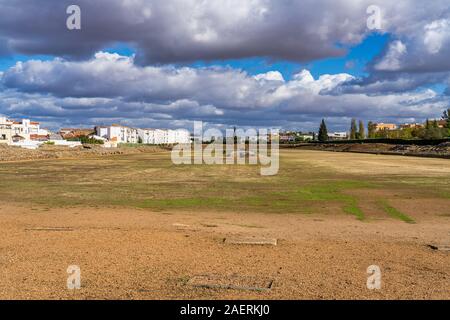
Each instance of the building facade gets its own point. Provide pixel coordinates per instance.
(6, 132)
(28, 130)
(17, 131)
(122, 134)
(411, 126)
(385, 126)
(118, 133)
(338, 136)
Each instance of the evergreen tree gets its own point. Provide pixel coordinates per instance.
(432, 131)
(353, 130)
(447, 117)
(372, 129)
(361, 131)
(323, 132)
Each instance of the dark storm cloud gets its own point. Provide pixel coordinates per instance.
(386, 83)
(186, 30)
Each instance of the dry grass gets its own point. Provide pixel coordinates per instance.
(307, 181)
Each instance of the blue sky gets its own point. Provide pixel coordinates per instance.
(354, 62)
(358, 56)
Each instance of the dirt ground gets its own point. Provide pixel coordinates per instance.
(132, 253)
(47, 152)
(136, 254)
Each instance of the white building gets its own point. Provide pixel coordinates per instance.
(27, 130)
(23, 131)
(338, 136)
(182, 136)
(122, 134)
(6, 132)
(118, 133)
(161, 136)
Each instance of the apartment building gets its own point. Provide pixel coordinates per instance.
(118, 133)
(122, 134)
(385, 126)
(147, 136)
(338, 136)
(25, 130)
(178, 136)
(28, 130)
(412, 126)
(5, 131)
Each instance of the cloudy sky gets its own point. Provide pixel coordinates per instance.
(258, 63)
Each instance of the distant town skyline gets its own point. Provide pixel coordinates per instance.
(259, 63)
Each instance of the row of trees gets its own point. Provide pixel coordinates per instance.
(86, 140)
(356, 131)
(431, 130)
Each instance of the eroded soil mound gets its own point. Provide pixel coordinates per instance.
(8, 153)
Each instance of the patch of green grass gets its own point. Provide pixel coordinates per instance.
(352, 208)
(394, 213)
(187, 203)
(334, 191)
(445, 195)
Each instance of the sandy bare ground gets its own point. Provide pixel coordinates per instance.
(137, 254)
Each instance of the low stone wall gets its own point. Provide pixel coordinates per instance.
(438, 151)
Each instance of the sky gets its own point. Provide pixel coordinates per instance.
(249, 63)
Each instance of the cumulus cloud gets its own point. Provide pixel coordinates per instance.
(423, 51)
(270, 76)
(437, 34)
(113, 88)
(392, 59)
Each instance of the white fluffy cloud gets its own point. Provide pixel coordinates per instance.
(392, 59)
(425, 50)
(437, 35)
(112, 88)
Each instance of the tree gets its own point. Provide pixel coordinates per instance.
(446, 116)
(353, 130)
(432, 131)
(140, 140)
(372, 128)
(323, 132)
(361, 131)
